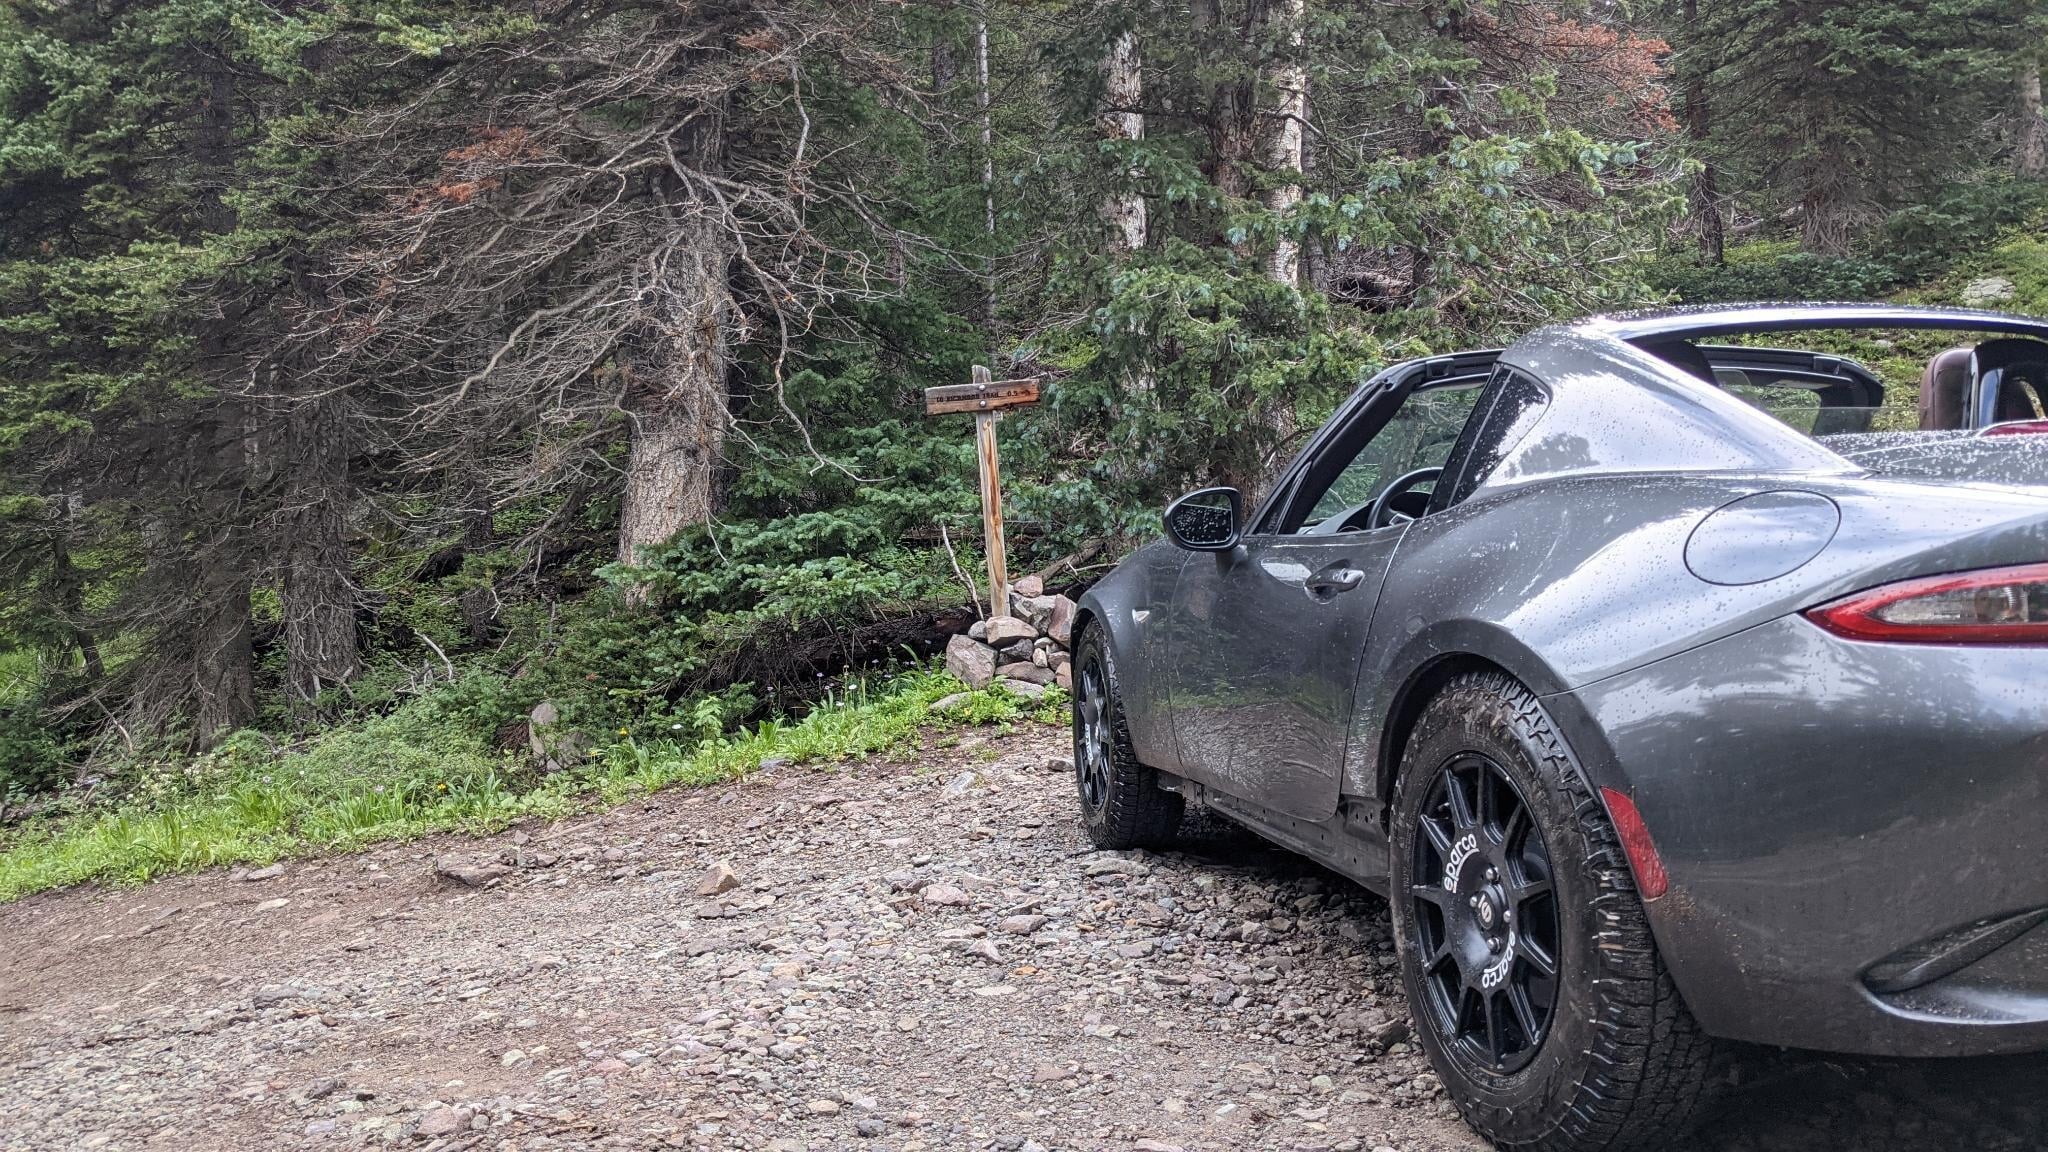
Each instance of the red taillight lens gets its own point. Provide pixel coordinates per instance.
(2017, 428)
(1995, 606)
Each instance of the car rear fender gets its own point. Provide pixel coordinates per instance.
(1433, 656)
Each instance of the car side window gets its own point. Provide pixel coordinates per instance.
(1514, 409)
(1420, 434)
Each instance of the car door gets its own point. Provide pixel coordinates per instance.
(1265, 639)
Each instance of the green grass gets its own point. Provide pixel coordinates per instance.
(417, 771)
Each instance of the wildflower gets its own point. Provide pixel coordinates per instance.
(625, 731)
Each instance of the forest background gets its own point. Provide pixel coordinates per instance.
(373, 372)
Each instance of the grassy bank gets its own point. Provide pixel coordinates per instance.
(421, 770)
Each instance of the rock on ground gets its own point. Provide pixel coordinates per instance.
(970, 661)
(898, 967)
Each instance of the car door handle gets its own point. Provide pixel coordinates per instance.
(1333, 580)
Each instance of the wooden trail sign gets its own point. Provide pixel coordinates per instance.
(985, 398)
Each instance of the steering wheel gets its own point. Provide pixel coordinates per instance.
(1383, 513)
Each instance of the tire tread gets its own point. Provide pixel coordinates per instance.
(1651, 1070)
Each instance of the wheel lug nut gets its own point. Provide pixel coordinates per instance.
(1472, 902)
(1491, 874)
(1507, 916)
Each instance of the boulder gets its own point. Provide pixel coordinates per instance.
(554, 747)
(1004, 629)
(1033, 610)
(1015, 652)
(1029, 586)
(971, 663)
(1059, 624)
(1029, 673)
(1023, 688)
(1988, 290)
(539, 724)
(1064, 677)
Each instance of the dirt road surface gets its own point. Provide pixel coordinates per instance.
(911, 954)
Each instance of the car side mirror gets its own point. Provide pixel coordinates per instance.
(1206, 521)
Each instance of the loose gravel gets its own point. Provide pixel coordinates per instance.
(903, 955)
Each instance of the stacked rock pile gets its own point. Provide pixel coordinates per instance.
(1023, 651)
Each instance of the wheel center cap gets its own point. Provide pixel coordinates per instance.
(1488, 914)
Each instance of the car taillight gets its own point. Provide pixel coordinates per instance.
(1994, 606)
(2017, 428)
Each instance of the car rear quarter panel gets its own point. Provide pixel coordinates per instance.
(1822, 804)
(1570, 581)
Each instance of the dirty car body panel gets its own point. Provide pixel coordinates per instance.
(1853, 831)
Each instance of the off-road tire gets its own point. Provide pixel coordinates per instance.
(1622, 1064)
(1131, 810)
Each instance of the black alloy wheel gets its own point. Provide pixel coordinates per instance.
(1485, 915)
(1122, 804)
(1536, 986)
(1094, 746)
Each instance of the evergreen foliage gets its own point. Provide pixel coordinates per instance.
(360, 363)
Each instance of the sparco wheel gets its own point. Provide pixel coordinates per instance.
(1121, 800)
(1536, 988)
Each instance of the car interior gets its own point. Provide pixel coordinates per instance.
(2006, 376)
(1822, 394)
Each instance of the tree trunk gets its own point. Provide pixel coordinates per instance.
(676, 371)
(69, 585)
(222, 653)
(1120, 119)
(1231, 124)
(1284, 120)
(2031, 156)
(317, 595)
(1705, 194)
(479, 601)
(223, 657)
(988, 160)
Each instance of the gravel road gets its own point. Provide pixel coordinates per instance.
(904, 955)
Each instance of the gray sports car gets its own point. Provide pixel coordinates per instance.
(1669, 693)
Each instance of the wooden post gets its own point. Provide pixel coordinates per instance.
(986, 398)
(991, 505)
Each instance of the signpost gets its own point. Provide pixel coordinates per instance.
(985, 398)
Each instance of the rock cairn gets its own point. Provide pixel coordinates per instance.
(1023, 651)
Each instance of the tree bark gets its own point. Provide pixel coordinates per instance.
(1284, 125)
(223, 657)
(1121, 119)
(1705, 194)
(2031, 156)
(69, 587)
(317, 595)
(676, 370)
(988, 160)
(479, 601)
